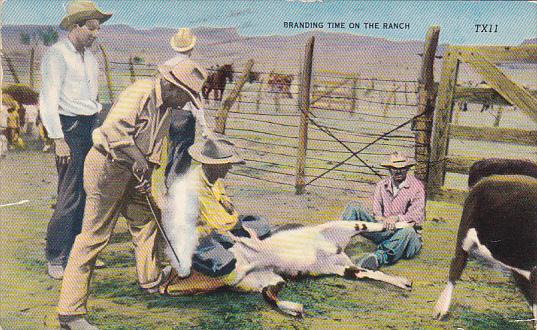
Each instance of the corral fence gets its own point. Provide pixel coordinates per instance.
(499, 90)
(354, 121)
(329, 130)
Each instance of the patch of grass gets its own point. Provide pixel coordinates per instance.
(483, 299)
(492, 321)
(33, 264)
(118, 259)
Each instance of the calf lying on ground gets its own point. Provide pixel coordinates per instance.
(499, 223)
(313, 250)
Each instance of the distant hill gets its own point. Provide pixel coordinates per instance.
(530, 41)
(335, 51)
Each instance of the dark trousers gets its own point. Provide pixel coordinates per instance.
(182, 135)
(213, 257)
(66, 220)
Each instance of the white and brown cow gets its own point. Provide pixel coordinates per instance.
(499, 223)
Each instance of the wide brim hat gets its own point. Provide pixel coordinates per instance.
(183, 40)
(398, 160)
(83, 10)
(185, 74)
(215, 151)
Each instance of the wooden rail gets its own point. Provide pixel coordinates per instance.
(494, 134)
(460, 164)
(482, 95)
(498, 54)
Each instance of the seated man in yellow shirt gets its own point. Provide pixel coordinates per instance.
(213, 264)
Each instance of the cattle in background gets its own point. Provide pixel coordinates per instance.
(3, 127)
(28, 103)
(216, 81)
(281, 83)
(499, 223)
(12, 130)
(500, 166)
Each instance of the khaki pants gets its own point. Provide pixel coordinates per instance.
(109, 190)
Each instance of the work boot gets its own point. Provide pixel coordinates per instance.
(55, 270)
(75, 322)
(164, 275)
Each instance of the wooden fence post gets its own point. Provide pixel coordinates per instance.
(442, 117)
(304, 106)
(259, 95)
(32, 76)
(426, 103)
(221, 114)
(107, 74)
(391, 99)
(276, 101)
(131, 69)
(12, 69)
(354, 92)
(406, 93)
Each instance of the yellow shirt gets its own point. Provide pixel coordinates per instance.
(212, 213)
(13, 119)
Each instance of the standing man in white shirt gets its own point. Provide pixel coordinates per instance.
(68, 107)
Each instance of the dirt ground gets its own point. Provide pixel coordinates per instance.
(484, 299)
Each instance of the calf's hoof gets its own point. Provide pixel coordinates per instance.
(404, 283)
(291, 308)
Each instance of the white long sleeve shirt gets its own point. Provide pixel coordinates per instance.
(69, 85)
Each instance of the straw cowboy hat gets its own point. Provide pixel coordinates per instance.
(185, 74)
(82, 10)
(183, 40)
(398, 160)
(215, 151)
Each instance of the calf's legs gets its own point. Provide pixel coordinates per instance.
(270, 293)
(354, 272)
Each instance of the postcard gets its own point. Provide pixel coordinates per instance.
(286, 164)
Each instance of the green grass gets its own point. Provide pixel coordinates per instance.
(483, 299)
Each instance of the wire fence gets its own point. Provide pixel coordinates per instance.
(349, 113)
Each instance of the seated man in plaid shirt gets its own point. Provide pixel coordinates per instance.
(397, 198)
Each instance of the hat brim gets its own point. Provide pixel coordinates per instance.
(392, 165)
(69, 20)
(185, 49)
(169, 77)
(195, 153)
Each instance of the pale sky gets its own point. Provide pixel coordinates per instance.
(516, 20)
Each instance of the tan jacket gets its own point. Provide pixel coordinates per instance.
(137, 118)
